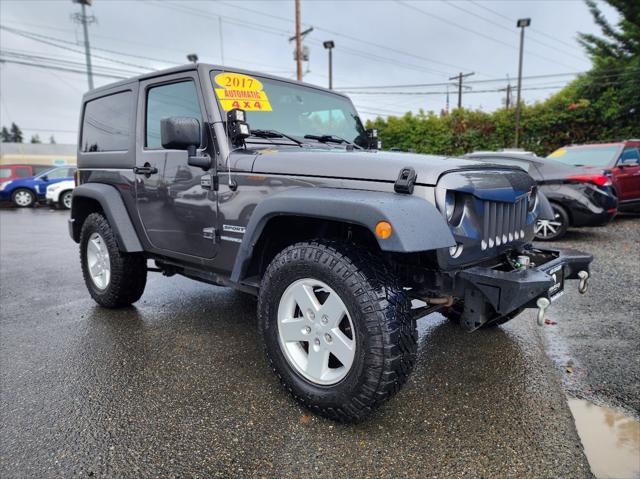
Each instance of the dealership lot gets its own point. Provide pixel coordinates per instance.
(178, 385)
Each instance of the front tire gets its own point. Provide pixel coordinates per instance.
(337, 328)
(23, 198)
(550, 230)
(114, 279)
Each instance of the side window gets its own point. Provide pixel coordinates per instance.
(22, 172)
(175, 99)
(631, 153)
(57, 173)
(105, 126)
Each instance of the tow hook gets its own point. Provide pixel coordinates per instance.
(584, 284)
(543, 304)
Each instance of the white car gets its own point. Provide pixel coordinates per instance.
(60, 193)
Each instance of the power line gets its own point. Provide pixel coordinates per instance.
(59, 68)
(510, 30)
(511, 20)
(360, 40)
(492, 80)
(279, 32)
(467, 29)
(420, 93)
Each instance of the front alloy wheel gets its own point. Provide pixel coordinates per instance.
(316, 332)
(548, 230)
(23, 198)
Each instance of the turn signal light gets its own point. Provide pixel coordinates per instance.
(599, 180)
(383, 230)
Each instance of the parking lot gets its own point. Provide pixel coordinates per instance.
(177, 386)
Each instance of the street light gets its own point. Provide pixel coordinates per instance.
(329, 44)
(192, 57)
(522, 24)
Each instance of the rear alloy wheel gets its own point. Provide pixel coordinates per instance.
(114, 278)
(65, 200)
(337, 328)
(23, 198)
(549, 230)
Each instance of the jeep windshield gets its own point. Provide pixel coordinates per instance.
(289, 109)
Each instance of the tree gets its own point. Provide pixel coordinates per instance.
(35, 138)
(612, 85)
(6, 136)
(16, 133)
(52, 140)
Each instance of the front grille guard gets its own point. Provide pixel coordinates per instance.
(503, 222)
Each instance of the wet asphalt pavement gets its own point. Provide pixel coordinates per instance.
(178, 386)
(596, 343)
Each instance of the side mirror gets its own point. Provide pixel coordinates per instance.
(44, 178)
(628, 162)
(180, 133)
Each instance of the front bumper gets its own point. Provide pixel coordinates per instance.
(507, 291)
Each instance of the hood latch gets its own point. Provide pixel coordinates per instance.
(406, 180)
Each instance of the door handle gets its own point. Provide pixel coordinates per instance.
(147, 169)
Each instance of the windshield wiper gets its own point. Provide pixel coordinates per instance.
(274, 134)
(331, 139)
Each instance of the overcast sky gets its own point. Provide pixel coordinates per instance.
(381, 42)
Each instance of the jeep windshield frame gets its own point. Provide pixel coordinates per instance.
(298, 110)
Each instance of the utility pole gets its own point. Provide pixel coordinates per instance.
(298, 43)
(522, 23)
(85, 20)
(329, 45)
(459, 77)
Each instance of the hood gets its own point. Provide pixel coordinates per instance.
(359, 164)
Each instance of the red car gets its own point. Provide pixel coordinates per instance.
(618, 161)
(13, 172)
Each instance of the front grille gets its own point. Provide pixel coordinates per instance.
(503, 222)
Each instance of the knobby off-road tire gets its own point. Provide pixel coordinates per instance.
(377, 309)
(127, 272)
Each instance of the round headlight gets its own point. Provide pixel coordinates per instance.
(449, 205)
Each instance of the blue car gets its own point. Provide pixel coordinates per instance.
(25, 192)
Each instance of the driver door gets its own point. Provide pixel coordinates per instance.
(178, 214)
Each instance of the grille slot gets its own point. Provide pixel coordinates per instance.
(503, 222)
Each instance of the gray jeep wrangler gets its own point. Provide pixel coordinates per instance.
(275, 188)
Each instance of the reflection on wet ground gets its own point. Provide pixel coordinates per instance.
(610, 438)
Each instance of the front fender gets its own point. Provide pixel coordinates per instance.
(417, 224)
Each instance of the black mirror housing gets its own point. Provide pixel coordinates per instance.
(374, 142)
(180, 133)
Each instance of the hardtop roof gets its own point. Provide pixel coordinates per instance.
(199, 66)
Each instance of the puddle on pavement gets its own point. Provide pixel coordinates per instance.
(610, 438)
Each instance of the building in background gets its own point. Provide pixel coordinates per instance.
(37, 154)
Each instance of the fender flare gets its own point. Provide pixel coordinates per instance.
(114, 209)
(417, 224)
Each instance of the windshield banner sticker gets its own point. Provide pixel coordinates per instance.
(241, 91)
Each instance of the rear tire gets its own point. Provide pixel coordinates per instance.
(23, 198)
(555, 229)
(374, 321)
(114, 279)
